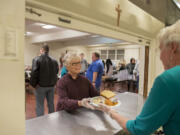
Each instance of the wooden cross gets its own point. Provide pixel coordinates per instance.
(118, 10)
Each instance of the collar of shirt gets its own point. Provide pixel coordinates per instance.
(72, 78)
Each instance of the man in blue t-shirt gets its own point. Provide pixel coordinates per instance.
(95, 71)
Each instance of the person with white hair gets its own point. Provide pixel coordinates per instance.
(162, 107)
(74, 89)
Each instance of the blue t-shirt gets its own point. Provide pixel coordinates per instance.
(96, 66)
(162, 108)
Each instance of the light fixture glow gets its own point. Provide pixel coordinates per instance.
(95, 36)
(28, 33)
(48, 26)
(39, 24)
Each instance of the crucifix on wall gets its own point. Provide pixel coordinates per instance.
(118, 10)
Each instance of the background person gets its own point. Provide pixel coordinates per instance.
(95, 71)
(43, 79)
(84, 64)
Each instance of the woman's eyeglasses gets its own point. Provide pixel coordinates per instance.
(76, 63)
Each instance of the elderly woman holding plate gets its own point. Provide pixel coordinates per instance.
(74, 90)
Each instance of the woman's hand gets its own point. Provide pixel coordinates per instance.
(85, 102)
(103, 108)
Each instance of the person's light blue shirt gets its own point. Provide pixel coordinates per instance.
(63, 71)
(96, 66)
(162, 108)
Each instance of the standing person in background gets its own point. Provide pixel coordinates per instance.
(62, 68)
(95, 71)
(84, 64)
(130, 66)
(61, 62)
(109, 68)
(43, 79)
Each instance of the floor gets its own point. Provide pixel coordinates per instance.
(30, 98)
(31, 105)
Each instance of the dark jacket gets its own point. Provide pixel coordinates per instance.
(44, 71)
(130, 68)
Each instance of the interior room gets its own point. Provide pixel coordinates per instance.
(62, 40)
(75, 93)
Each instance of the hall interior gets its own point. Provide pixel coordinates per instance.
(62, 40)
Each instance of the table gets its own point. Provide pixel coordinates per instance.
(84, 121)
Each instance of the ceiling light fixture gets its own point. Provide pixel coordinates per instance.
(28, 33)
(48, 26)
(95, 36)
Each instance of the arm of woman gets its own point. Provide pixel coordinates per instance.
(156, 111)
(154, 114)
(64, 102)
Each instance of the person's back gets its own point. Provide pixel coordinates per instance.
(43, 79)
(48, 70)
(172, 82)
(162, 108)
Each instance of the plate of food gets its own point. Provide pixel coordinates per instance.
(107, 97)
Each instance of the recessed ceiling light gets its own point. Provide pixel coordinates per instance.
(48, 26)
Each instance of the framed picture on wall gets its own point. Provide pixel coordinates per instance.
(9, 47)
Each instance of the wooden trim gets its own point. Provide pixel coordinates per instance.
(146, 70)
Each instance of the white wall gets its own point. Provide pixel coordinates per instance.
(32, 50)
(56, 49)
(12, 92)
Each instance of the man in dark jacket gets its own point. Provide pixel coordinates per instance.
(43, 79)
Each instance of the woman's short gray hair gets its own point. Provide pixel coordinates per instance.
(69, 57)
(170, 34)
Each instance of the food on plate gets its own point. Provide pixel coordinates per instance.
(110, 103)
(107, 94)
(98, 100)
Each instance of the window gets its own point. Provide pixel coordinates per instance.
(112, 54)
(103, 54)
(120, 55)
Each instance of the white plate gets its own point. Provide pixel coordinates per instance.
(94, 104)
(103, 99)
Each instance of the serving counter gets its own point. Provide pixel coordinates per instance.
(84, 121)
